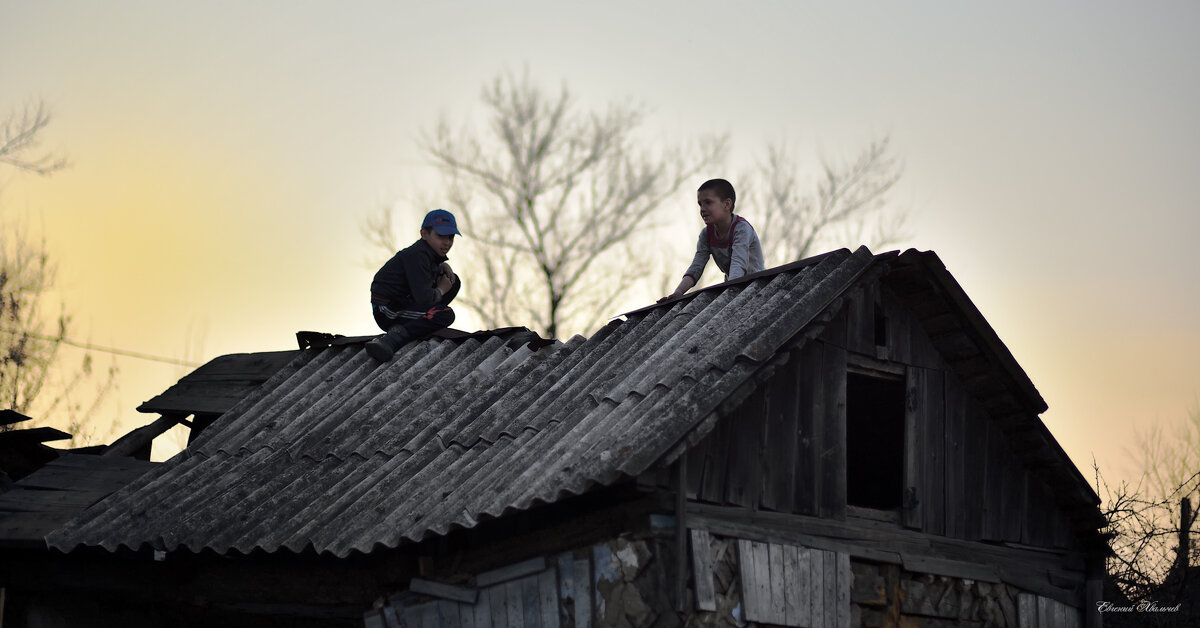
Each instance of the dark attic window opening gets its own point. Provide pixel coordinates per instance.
(874, 441)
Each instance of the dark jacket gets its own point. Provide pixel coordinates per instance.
(409, 279)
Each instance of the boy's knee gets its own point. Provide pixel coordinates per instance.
(444, 317)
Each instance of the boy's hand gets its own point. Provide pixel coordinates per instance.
(445, 278)
(444, 283)
(685, 284)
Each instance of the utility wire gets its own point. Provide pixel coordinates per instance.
(91, 347)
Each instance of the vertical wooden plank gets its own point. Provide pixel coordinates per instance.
(783, 434)
(531, 610)
(777, 585)
(422, 615)
(1027, 611)
(747, 573)
(1045, 611)
(829, 582)
(513, 603)
(933, 438)
(996, 481)
(583, 593)
(955, 448)
(810, 397)
(835, 330)
(860, 323)
(745, 464)
(565, 563)
(976, 452)
(391, 616)
(466, 614)
(499, 605)
(773, 462)
(816, 585)
(702, 571)
(762, 580)
(833, 452)
(547, 584)
(410, 616)
(447, 614)
(913, 505)
(901, 327)
(697, 457)
(845, 580)
(431, 615)
(791, 562)
(795, 594)
(717, 469)
(1040, 516)
(483, 610)
(1061, 618)
(807, 586)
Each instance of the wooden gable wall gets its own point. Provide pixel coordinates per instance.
(784, 448)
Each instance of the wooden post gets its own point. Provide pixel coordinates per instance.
(134, 441)
(1185, 523)
(681, 533)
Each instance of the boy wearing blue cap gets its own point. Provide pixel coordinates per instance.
(411, 294)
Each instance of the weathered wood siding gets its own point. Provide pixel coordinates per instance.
(787, 585)
(603, 585)
(784, 449)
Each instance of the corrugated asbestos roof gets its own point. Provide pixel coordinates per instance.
(339, 453)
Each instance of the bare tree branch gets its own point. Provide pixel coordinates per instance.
(20, 135)
(845, 202)
(30, 342)
(548, 193)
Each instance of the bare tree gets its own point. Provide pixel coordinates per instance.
(20, 136)
(1151, 522)
(29, 338)
(1152, 549)
(844, 208)
(560, 203)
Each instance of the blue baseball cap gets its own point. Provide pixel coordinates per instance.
(441, 221)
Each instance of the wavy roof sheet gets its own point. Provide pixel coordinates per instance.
(339, 453)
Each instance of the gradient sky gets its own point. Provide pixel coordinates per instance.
(224, 154)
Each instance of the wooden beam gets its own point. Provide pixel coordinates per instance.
(1027, 568)
(446, 591)
(134, 441)
(511, 572)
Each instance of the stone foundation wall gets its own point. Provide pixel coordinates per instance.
(887, 596)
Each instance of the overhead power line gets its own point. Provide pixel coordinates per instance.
(91, 347)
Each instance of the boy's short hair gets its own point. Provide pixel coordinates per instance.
(722, 188)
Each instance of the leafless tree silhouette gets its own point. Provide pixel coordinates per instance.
(560, 204)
